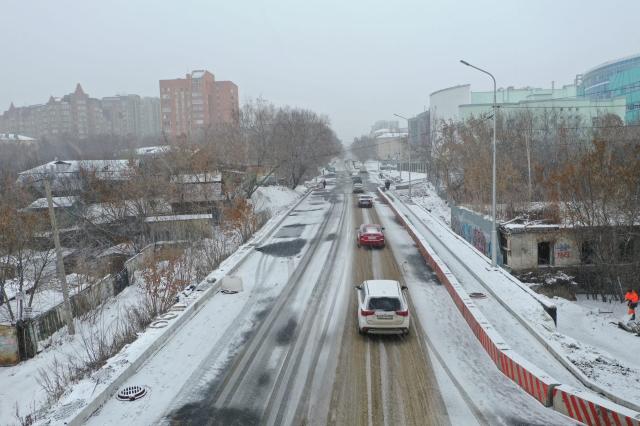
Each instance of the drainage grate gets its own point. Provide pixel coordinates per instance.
(477, 295)
(131, 393)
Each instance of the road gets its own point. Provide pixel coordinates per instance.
(286, 351)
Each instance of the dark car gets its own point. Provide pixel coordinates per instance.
(365, 201)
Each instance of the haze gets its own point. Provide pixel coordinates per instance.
(353, 61)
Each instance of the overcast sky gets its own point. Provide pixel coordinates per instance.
(355, 61)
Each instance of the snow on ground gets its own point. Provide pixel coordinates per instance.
(425, 195)
(20, 382)
(273, 199)
(591, 324)
(615, 376)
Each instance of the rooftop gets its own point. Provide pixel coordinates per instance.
(14, 137)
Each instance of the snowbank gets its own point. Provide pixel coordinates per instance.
(273, 199)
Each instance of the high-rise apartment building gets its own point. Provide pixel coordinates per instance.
(77, 115)
(196, 103)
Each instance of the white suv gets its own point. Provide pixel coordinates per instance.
(382, 308)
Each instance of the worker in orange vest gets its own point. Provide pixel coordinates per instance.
(632, 302)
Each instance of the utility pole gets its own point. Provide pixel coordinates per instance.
(409, 150)
(59, 260)
(494, 231)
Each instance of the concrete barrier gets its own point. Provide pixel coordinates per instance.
(582, 406)
(591, 409)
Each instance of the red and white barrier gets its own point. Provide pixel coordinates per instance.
(584, 407)
(590, 409)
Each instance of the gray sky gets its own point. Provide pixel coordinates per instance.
(355, 61)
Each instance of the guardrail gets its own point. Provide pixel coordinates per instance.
(580, 405)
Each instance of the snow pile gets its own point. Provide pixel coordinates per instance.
(605, 370)
(426, 196)
(273, 199)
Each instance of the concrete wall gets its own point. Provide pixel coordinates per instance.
(523, 249)
(474, 228)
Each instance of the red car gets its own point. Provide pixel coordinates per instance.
(370, 235)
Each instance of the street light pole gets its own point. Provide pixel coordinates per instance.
(408, 149)
(494, 231)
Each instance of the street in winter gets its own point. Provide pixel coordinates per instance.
(423, 213)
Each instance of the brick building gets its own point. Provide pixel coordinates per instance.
(191, 105)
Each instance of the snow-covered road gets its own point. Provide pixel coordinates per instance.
(286, 350)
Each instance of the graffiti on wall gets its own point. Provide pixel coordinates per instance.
(563, 250)
(473, 234)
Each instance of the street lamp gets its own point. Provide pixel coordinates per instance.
(409, 149)
(494, 236)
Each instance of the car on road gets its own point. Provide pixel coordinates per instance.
(365, 200)
(382, 308)
(358, 188)
(356, 179)
(370, 235)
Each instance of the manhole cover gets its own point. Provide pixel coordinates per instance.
(159, 324)
(168, 316)
(131, 393)
(477, 295)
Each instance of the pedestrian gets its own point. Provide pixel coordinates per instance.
(387, 184)
(631, 297)
(324, 184)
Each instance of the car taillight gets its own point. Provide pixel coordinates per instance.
(366, 313)
(402, 313)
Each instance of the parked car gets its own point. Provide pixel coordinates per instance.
(382, 308)
(358, 188)
(365, 201)
(370, 235)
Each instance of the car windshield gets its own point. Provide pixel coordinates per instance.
(372, 230)
(384, 304)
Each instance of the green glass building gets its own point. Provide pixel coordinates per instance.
(612, 79)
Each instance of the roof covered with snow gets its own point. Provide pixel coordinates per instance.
(14, 137)
(63, 202)
(153, 150)
(197, 178)
(178, 218)
(104, 169)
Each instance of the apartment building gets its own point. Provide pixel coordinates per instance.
(192, 105)
(79, 116)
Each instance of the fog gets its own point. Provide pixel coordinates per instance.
(355, 61)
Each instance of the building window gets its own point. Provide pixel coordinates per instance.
(587, 252)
